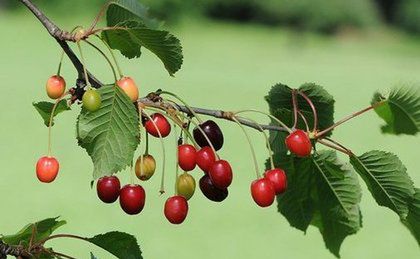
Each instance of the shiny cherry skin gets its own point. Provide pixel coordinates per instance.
(176, 209)
(47, 169)
(91, 100)
(145, 167)
(278, 178)
(56, 85)
(128, 85)
(162, 124)
(108, 188)
(185, 185)
(205, 158)
(213, 132)
(263, 193)
(132, 199)
(210, 191)
(187, 157)
(298, 143)
(221, 174)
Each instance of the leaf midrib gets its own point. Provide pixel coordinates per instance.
(404, 111)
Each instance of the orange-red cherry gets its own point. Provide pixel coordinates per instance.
(187, 157)
(278, 178)
(298, 143)
(47, 169)
(56, 85)
(176, 209)
(161, 123)
(221, 174)
(205, 158)
(128, 85)
(263, 193)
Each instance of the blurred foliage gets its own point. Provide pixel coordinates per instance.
(408, 15)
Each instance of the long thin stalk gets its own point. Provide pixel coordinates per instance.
(106, 58)
(311, 104)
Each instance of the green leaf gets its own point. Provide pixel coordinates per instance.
(45, 109)
(42, 229)
(129, 10)
(280, 104)
(296, 203)
(400, 110)
(110, 135)
(412, 222)
(338, 200)
(130, 36)
(122, 245)
(386, 178)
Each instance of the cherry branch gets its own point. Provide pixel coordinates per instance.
(16, 251)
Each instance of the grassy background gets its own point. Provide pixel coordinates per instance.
(226, 66)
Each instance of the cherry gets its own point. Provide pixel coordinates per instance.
(299, 143)
(56, 85)
(205, 158)
(47, 169)
(128, 85)
(108, 188)
(176, 209)
(210, 191)
(212, 131)
(132, 198)
(185, 185)
(186, 157)
(263, 192)
(91, 100)
(145, 170)
(278, 178)
(221, 174)
(161, 123)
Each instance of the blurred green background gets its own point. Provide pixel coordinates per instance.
(234, 52)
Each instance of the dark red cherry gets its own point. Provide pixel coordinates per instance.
(205, 158)
(221, 174)
(298, 143)
(212, 131)
(132, 198)
(263, 193)
(278, 178)
(187, 157)
(162, 124)
(210, 191)
(108, 188)
(176, 209)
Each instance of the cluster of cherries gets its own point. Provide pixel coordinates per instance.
(213, 184)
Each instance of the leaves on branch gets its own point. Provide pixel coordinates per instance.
(45, 108)
(42, 230)
(400, 110)
(386, 178)
(109, 135)
(412, 222)
(124, 10)
(122, 245)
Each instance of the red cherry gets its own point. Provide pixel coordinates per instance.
(278, 178)
(176, 209)
(221, 174)
(132, 198)
(186, 157)
(161, 123)
(205, 158)
(263, 193)
(47, 169)
(108, 188)
(56, 85)
(210, 191)
(299, 143)
(128, 85)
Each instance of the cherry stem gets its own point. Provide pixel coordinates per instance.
(347, 118)
(107, 59)
(42, 242)
(267, 143)
(61, 255)
(132, 173)
(147, 144)
(257, 171)
(112, 55)
(50, 123)
(282, 124)
(295, 109)
(304, 120)
(339, 145)
(99, 16)
(162, 182)
(61, 62)
(84, 64)
(311, 104)
(333, 147)
(183, 102)
(176, 162)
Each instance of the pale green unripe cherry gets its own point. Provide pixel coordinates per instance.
(185, 185)
(91, 100)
